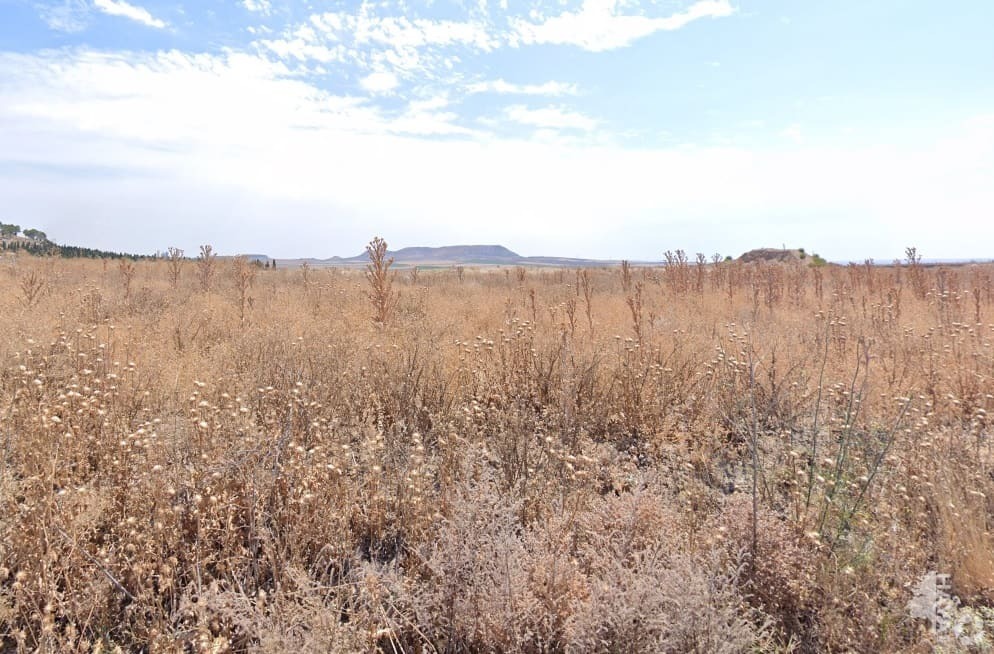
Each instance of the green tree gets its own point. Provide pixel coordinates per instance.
(9, 230)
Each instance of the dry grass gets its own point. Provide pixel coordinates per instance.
(707, 457)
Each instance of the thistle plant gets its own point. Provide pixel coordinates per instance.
(380, 280)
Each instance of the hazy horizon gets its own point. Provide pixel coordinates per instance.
(360, 253)
(588, 128)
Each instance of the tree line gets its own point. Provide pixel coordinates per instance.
(10, 230)
(37, 243)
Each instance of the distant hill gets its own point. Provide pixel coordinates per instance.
(456, 255)
(772, 254)
(41, 246)
(781, 255)
(489, 254)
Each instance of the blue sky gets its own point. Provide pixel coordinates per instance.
(600, 128)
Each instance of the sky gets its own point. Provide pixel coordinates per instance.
(585, 128)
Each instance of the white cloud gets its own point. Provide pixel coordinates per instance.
(380, 82)
(436, 52)
(550, 117)
(261, 6)
(130, 11)
(429, 104)
(407, 47)
(402, 32)
(507, 88)
(598, 25)
(302, 51)
(68, 16)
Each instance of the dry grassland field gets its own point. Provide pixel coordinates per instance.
(209, 456)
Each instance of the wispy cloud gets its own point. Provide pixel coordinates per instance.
(391, 52)
(502, 87)
(261, 6)
(550, 117)
(130, 11)
(401, 32)
(372, 42)
(299, 50)
(599, 26)
(66, 16)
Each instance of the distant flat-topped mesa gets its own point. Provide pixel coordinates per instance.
(448, 254)
(461, 255)
(456, 254)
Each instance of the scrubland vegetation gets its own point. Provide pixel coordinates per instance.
(708, 457)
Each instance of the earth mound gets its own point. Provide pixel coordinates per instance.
(772, 255)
